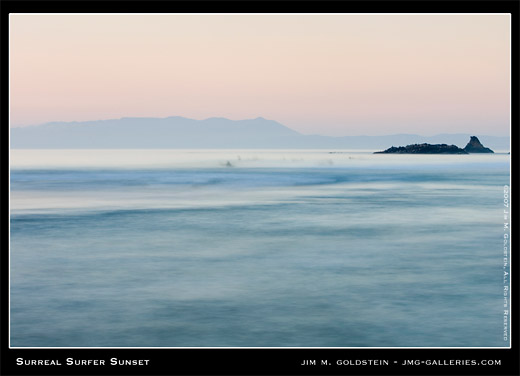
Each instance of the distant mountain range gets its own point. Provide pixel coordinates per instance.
(216, 133)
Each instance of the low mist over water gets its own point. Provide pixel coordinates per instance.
(256, 248)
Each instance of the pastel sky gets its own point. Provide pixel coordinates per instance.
(337, 74)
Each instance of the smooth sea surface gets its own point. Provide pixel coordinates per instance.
(256, 248)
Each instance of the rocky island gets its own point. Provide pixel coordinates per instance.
(424, 149)
(473, 146)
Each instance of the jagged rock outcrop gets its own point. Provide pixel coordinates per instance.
(424, 149)
(474, 146)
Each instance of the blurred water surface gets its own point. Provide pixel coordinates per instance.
(256, 249)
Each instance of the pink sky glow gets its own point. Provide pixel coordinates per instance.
(317, 74)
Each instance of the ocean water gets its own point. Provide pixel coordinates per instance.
(259, 248)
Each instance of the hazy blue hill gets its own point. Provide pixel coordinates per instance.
(180, 132)
(171, 132)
